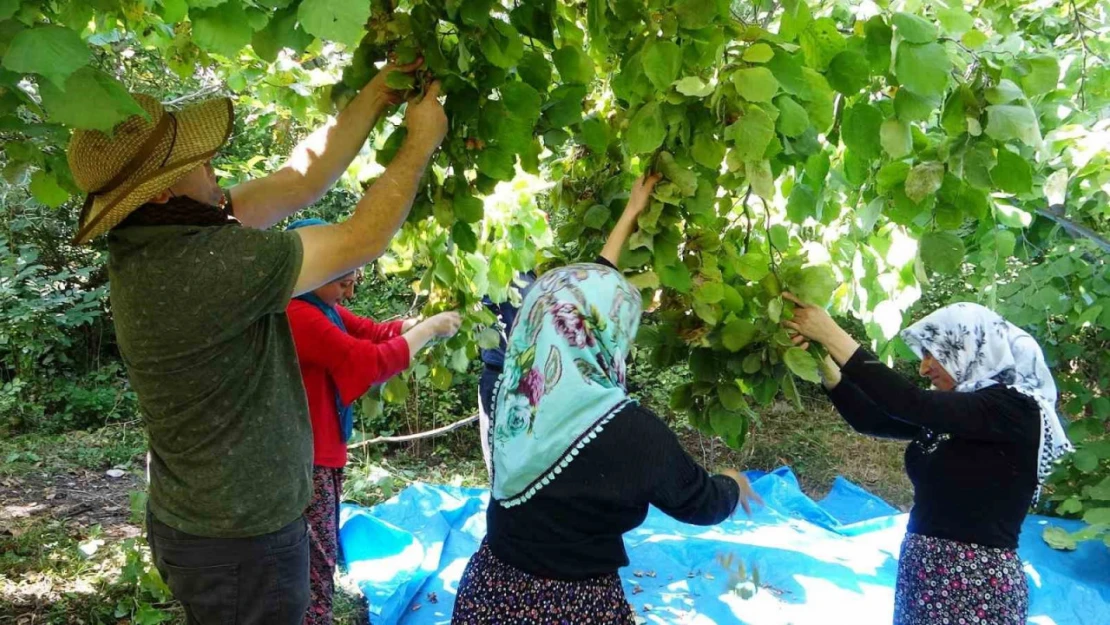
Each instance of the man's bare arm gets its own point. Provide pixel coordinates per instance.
(318, 161)
(331, 251)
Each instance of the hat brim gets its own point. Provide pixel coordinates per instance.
(202, 129)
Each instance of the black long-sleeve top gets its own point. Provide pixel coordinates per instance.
(972, 456)
(573, 528)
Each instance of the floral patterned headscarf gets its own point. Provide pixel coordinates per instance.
(564, 375)
(979, 348)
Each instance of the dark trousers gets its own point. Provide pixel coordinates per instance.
(261, 580)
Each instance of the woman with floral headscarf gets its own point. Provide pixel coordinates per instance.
(982, 442)
(576, 461)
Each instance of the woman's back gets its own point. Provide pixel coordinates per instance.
(573, 528)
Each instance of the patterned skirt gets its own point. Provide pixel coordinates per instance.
(492, 592)
(944, 582)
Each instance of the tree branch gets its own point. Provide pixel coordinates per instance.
(1055, 213)
(412, 437)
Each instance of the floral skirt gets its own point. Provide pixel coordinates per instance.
(944, 582)
(323, 534)
(492, 592)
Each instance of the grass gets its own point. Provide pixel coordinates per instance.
(50, 573)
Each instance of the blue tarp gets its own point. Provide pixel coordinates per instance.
(823, 563)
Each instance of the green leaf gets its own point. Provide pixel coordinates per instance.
(942, 252)
(891, 175)
(761, 178)
(342, 21)
(396, 390)
(646, 130)
(914, 29)
(793, 120)
(91, 100)
(696, 14)
(738, 334)
(497, 163)
(861, 130)
(683, 178)
(801, 204)
(801, 363)
(849, 72)
(223, 30)
(924, 180)
(731, 397)
(1097, 516)
(877, 37)
(44, 187)
(923, 69)
(896, 138)
(489, 339)
(8, 8)
(1071, 505)
(573, 65)
(1012, 173)
(710, 292)
(468, 208)
(974, 39)
(758, 53)
(476, 12)
(596, 217)
(1008, 122)
(522, 101)
(564, 106)
(1043, 75)
(751, 134)
(815, 284)
(535, 70)
(707, 151)
(1059, 539)
(753, 266)
(501, 45)
(954, 19)
(403, 82)
(51, 51)
(820, 42)
(1085, 460)
(281, 32)
(662, 62)
(910, 107)
(693, 86)
(676, 277)
(595, 134)
(463, 236)
(1004, 92)
(755, 84)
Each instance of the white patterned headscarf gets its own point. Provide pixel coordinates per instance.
(979, 348)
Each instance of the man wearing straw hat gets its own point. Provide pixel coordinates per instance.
(198, 294)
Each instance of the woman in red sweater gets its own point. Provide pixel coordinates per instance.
(341, 356)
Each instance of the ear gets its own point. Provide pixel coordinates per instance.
(161, 198)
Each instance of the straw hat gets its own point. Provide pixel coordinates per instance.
(142, 157)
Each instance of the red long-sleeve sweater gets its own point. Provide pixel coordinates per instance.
(330, 359)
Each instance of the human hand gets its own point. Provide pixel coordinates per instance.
(425, 120)
(641, 194)
(445, 324)
(747, 494)
(381, 90)
(810, 322)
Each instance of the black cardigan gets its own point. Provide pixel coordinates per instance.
(973, 456)
(573, 528)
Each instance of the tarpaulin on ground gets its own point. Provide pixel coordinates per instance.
(822, 563)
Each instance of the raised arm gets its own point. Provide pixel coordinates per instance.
(318, 161)
(331, 251)
(990, 414)
(858, 410)
(626, 225)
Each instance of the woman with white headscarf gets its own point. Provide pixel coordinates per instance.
(981, 444)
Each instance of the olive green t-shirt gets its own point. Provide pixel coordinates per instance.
(200, 318)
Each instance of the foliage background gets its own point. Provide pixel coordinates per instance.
(885, 158)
